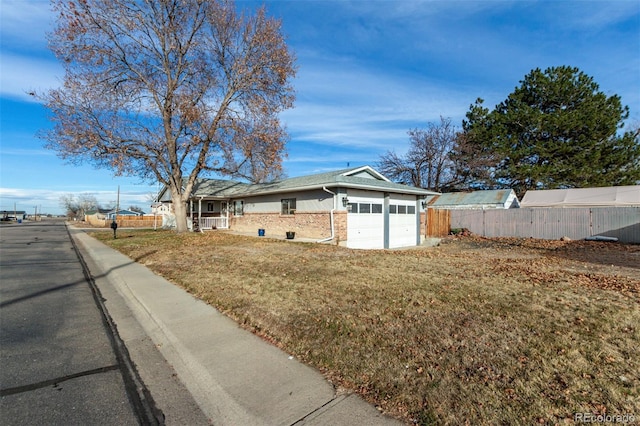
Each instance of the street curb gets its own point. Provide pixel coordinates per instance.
(140, 397)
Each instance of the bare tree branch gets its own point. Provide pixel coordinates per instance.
(428, 162)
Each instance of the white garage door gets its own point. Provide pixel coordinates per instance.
(403, 230)
(365, 221)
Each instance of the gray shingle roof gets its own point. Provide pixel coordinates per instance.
(339, 178)
(218, 188)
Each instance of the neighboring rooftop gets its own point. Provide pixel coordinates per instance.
(491, 199)
(610, 196)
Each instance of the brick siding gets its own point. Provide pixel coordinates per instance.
(304, 224)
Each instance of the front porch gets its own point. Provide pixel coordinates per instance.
(207, 223)
(208, 214)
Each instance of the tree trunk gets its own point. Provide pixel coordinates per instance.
(180, 210)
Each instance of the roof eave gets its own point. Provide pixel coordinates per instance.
(408, 190)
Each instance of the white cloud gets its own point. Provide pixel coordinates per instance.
(26, 64)
(20, 75)
(25, 22)
(27, 200)
(350, 105)
(594, 16)
(26, 152)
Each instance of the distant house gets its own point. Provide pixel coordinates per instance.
(612, 196)
(8, 215)
(112, 214)
(99, 214)
(476, 200)
(356, 207)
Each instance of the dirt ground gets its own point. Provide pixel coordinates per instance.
(619, 263)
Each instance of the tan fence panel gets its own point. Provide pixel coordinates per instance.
(438, 222)
(123, 221)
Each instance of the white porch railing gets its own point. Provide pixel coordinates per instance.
(214, 223)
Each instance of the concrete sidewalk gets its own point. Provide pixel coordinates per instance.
(234, 376)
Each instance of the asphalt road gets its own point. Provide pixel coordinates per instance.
(62, 362)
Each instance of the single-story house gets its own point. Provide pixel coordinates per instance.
(99, 214)
(122, 212)
(611, 196)
(356, 207)
(476, 200)
(8, 215)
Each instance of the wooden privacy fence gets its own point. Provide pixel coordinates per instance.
(146, 221)
(438, 223)
(622, 223)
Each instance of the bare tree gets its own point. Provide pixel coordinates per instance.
(427, 163)
(167, 89)
(77, 207)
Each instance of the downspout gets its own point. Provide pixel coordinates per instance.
(335, 200)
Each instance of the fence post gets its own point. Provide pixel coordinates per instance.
(426, 222)
(484, 223)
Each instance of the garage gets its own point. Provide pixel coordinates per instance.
(376, 223)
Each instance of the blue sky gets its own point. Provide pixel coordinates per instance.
(368, 72)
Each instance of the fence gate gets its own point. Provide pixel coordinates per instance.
(438, 222)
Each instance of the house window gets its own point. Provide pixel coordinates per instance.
(365, 208)
(238, 208)
(352, 207)
(402, 209)
(288, 206)
(393, 209)
(376, 208)
(411, 209)
(209, 207)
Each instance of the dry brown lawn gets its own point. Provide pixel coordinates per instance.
(475, 331)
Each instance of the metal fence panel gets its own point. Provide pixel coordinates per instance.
(552, 223)
(622, 223)
(467, 219)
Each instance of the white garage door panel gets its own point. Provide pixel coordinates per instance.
(402, 230)
(365, 230)
(402, 226)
